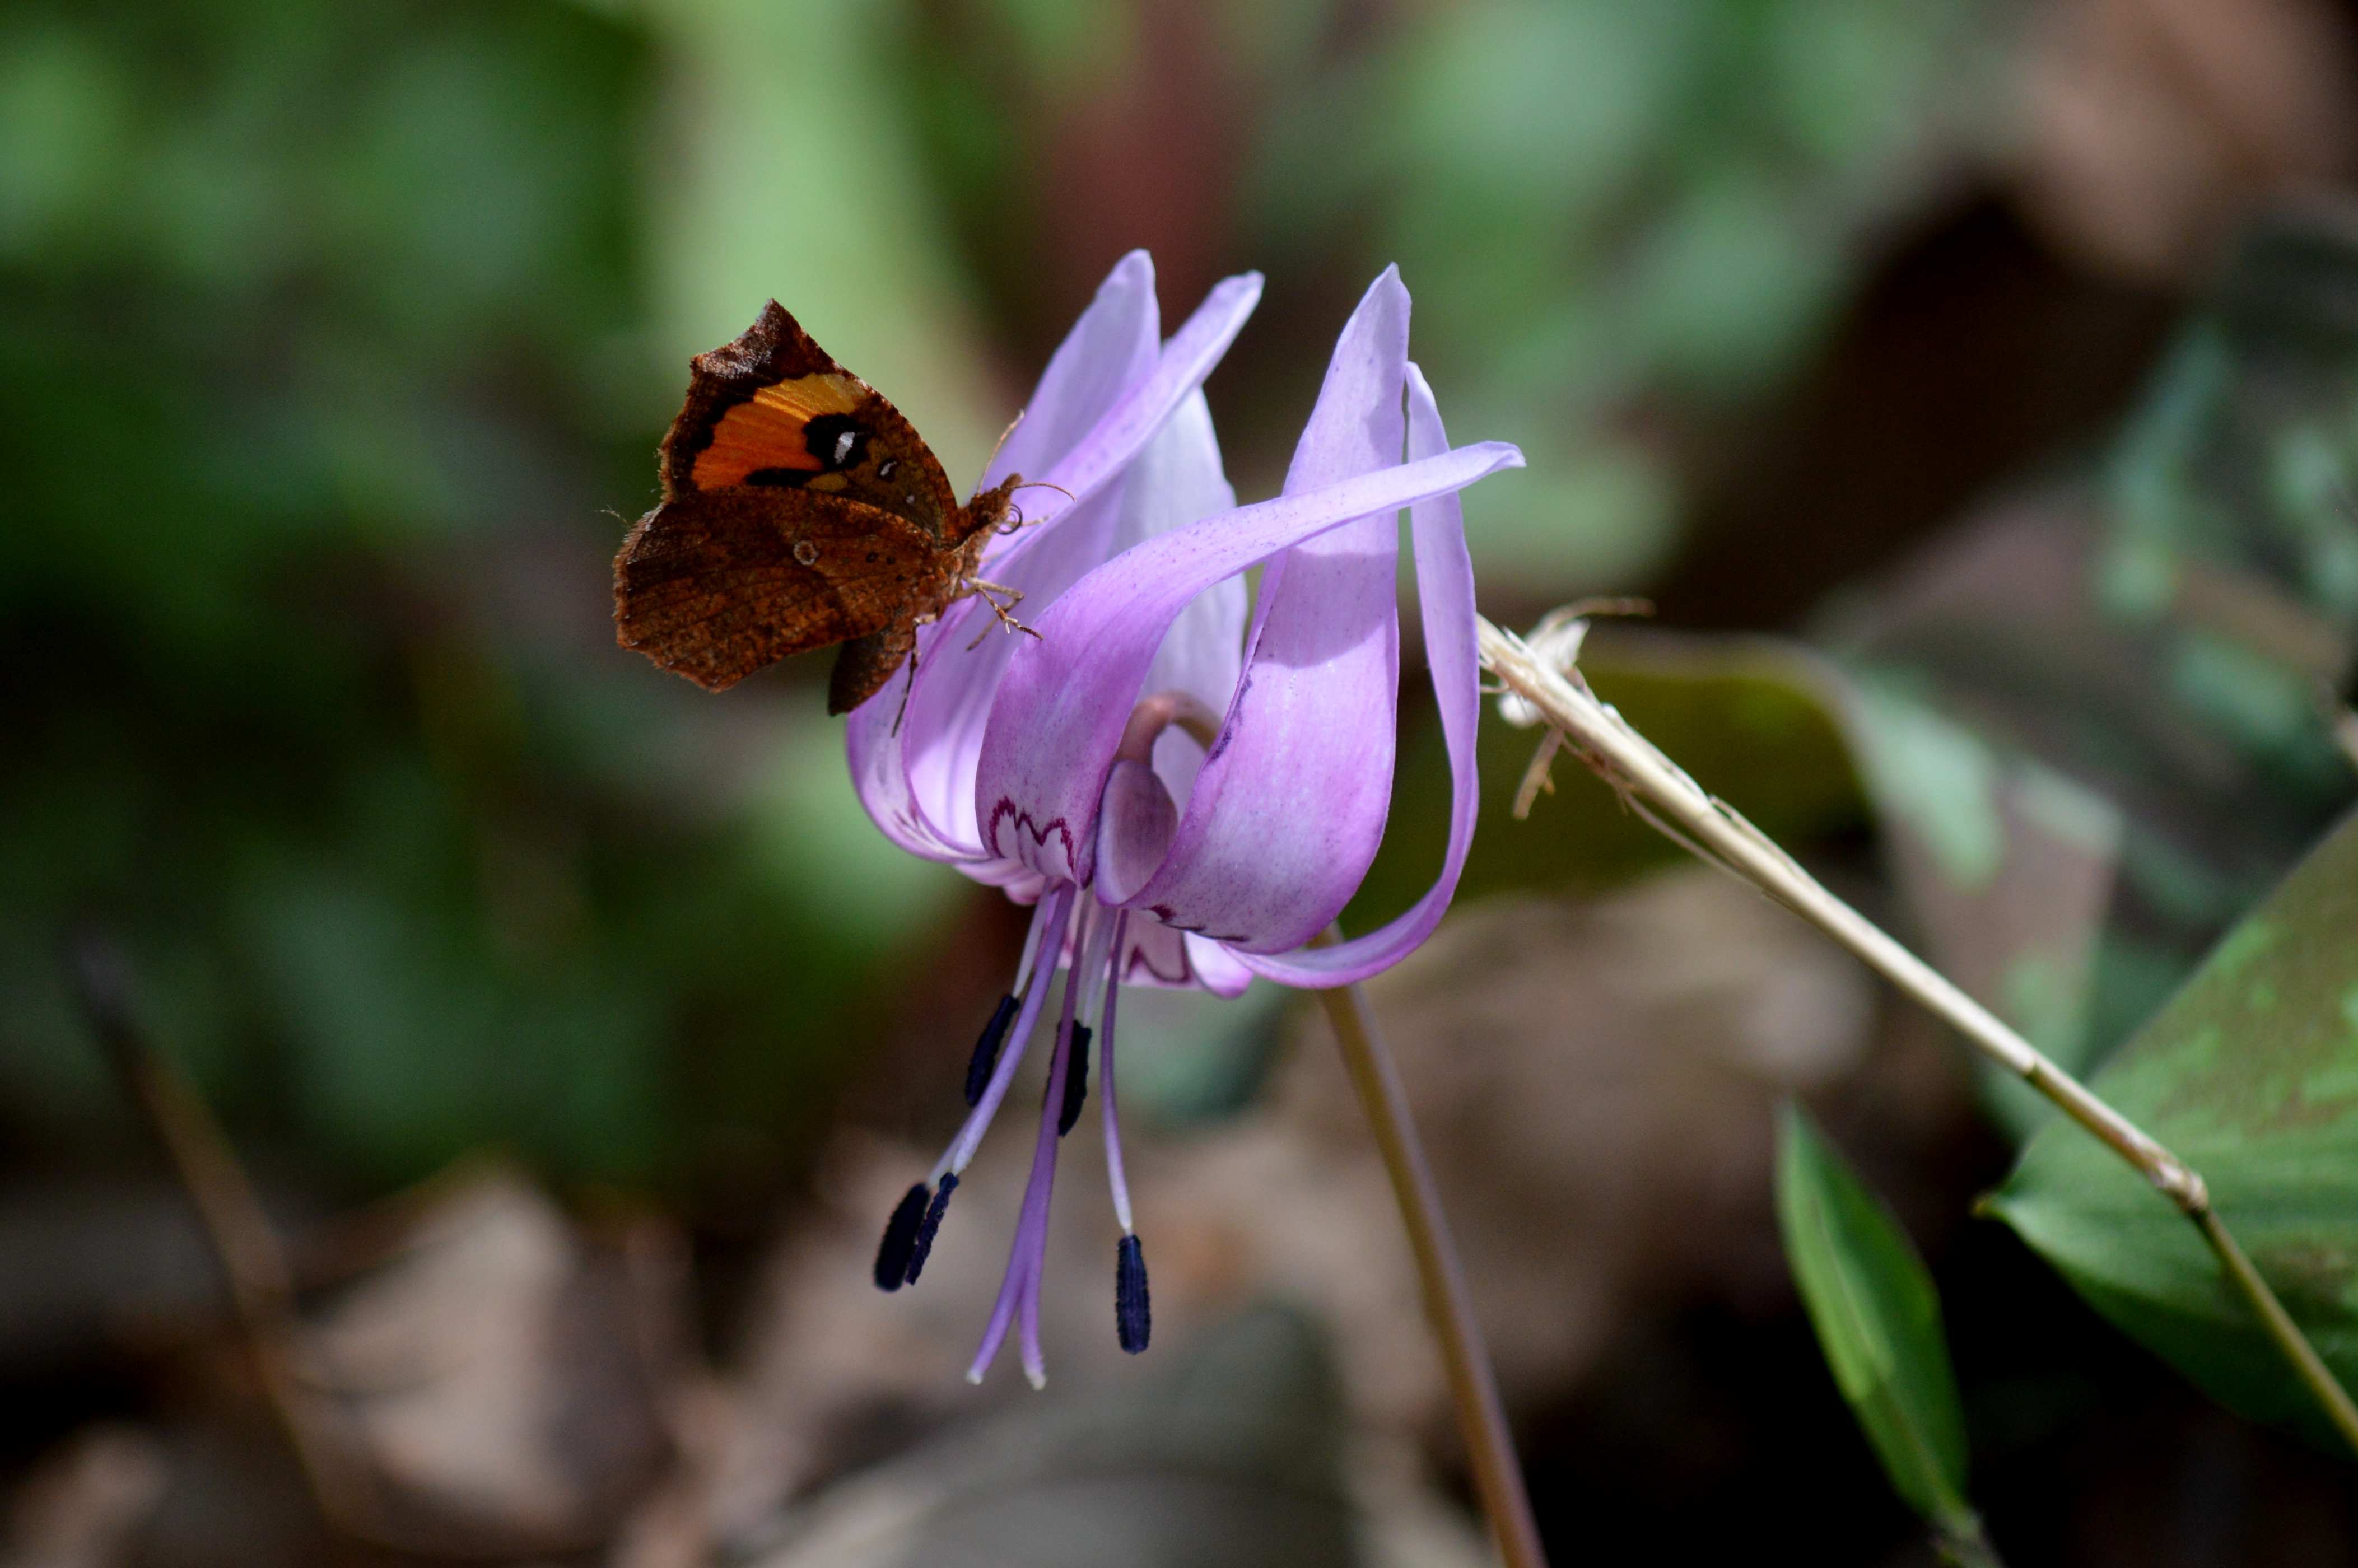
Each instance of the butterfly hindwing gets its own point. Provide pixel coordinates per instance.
(715, 584)
(773, 411)
(865, 665)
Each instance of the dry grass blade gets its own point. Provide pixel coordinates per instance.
(1600, 737)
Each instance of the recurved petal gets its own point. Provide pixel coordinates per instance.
(1287, 813)
(1133, 420)
(917, 780)
(1175, 480)
(1061, 708)
(1109, 350)
(1217, 969)
(1445, 581)
(1156, 954)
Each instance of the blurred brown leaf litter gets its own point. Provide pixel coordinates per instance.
(511, 1377)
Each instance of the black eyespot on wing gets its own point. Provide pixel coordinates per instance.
(778, 478)
(837, 440)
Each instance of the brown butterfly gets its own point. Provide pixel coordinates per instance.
(799, 509)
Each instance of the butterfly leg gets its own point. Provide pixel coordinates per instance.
(986, 590)
(910, 685)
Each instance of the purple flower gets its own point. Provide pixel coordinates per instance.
(1183, 799)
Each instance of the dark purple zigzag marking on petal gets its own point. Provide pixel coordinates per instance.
(1139, 960)
(1163, 913)
(1006, 808)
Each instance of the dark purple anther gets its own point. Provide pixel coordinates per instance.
(986, 1050)
(926, 1232)
(1076, 1081)
(892, 1254)
(1133, 1317)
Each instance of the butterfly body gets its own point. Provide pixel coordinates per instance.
(799, 509)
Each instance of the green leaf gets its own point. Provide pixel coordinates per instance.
(1878, 1322)
(2251, 1074)
(1750, 717)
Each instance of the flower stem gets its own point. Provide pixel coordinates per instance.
(1713, 830)
(1448, 1304)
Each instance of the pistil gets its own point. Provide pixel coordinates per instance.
(1133, 1319)
(1019, 1291)
(1157, 713)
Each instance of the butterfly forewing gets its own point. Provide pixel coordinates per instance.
(773, 411)
(715, 584)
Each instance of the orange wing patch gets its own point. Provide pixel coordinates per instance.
(767, 431)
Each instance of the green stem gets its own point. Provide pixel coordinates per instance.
(1448, 1304)
(2306, 1364)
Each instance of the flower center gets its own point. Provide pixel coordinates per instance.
(1136, 816)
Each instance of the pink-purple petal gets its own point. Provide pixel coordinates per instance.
(1135, 822)
(1064, 702)
(1175, 480)
(1186, 360)
(1216, 969)
(1110, 348)
(917, 779)
(1444, 579)
(1287, 813)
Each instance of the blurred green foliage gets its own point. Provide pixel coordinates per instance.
(1604, 206)
(322, 349)
(2118, 689)
(334, 342)
(1758, 719)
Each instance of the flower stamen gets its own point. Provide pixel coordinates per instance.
(1048, 924)
(900, 1243)
(1114, 1174)
(1091, 959)
(931, 1226)
(1076, 1081)
(1133, 1316)
(1133, 1313)
(986, 1049)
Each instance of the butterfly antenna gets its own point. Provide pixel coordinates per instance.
(1016, 518)
(997, 446)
